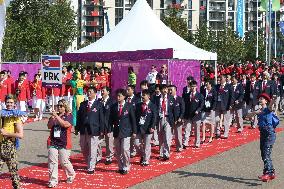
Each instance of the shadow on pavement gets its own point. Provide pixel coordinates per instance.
(248, 182)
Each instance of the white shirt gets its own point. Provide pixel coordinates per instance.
(91, 102)
(118, 106)
(151, 77)
(105, 100)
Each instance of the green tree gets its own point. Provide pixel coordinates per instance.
(38, 27)
(205, 38)
(173, 20)
(230, 48)
(250, 45)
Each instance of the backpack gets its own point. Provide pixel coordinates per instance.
(275, 120)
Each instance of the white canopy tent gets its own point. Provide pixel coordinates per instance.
(141, 29)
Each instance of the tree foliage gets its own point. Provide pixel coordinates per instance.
(177, 24)
(36, 27)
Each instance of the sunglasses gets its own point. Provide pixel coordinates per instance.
(60, 105)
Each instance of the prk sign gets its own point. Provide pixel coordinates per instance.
(51, 70)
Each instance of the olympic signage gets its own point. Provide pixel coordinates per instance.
(51, 70)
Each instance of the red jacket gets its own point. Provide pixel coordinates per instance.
(37, 90)
(66, 88)
(5, 88)
(24, 94)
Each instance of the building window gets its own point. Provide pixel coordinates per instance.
(189, 19)
(189, 4)
(119, 3)
(118, 15)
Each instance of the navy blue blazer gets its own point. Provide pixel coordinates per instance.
(106, 112)
(238, 95)
(193, 105)
(184, 91)
(225, 95)
(90, 122)
(123, 125)
(252, 92)
(211, 98)
(270, 88)
(179, 107)
(170, 110)
(150, 115)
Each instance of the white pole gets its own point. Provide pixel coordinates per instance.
(216, 73)
(275, 35)
(269, 32)
(257, 29)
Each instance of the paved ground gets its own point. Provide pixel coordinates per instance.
(237, 168)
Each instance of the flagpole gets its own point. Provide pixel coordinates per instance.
(266, 31)
(275, 35)
(257, 29)
(269, 33)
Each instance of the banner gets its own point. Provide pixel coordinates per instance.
(240, 18)
(275, 5)
(51, 70)
(281, 27)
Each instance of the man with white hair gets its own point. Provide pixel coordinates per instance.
(268, 86)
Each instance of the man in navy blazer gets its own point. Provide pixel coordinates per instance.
(268, 86)
(107, 103)
(123, 122)
(179, 114)
(143, 85)
(90, 124)
(166, 110)
(252, 92)
(194, 103)
(224, 107)
(146, 118)
(133, 100)
(186, 89)
(238, 103)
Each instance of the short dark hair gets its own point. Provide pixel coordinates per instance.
(121, 91)
(146, 92)
(132, 87)
(173, 87)
(189, 78)
(106, 88)
(93, 89)
(163, 86)
(157, 86)
(2, 72)
(144, 82)
(193, 83)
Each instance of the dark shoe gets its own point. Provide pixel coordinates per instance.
(91, 172)
(119, 171)
(98, 162)
(124, 172)
(210, 140)
(184, 147)
(165, 158)
(108, 162)
(218, 136)
(141, 160)
(144, 164)
(203, 141)
(223, 137)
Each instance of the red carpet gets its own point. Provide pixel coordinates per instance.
(106, 176)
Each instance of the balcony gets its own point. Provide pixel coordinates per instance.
(92, 3)
(217, 8)
(91, 23)
(92, 13)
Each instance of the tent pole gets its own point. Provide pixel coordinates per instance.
(216, 74)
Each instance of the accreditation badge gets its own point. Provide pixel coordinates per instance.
(57, 131)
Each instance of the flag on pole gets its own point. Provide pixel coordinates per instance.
(275, 5)
(281, 26)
